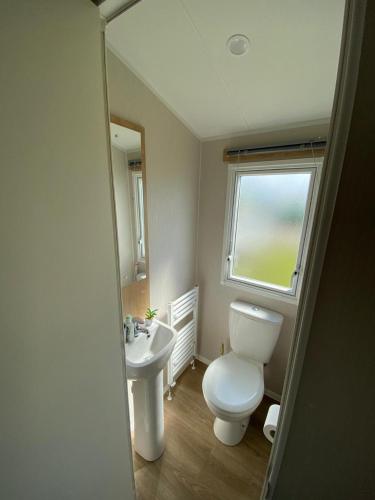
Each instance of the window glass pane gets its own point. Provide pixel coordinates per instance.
(140, 214)
(271, 209)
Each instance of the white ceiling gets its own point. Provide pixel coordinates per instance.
(125, 139)
(287, 78)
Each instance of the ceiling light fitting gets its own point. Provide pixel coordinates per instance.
(238, 44)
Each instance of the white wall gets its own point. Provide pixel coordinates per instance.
(215, 298)
(63, 417)
(123, 202)
(172, 175)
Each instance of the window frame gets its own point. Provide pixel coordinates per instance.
(311, 165)
(139, 221)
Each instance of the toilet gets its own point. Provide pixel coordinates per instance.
(233, 385)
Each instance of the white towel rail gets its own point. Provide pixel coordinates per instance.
(185, 350)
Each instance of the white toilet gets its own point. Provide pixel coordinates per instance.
(233, 385)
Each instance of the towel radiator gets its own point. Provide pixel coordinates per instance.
(183, 316)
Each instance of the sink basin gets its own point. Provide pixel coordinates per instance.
(146, 356)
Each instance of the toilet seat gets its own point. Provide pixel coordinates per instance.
(233, 386)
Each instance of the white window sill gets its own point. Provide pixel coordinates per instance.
(262, 292)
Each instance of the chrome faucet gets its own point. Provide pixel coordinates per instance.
(140, 329)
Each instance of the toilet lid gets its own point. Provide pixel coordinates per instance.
(233, 384)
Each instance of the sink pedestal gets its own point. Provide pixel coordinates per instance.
(148, 416)
(146, 356)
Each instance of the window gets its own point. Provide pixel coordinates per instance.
(269, 213)
(139, 214)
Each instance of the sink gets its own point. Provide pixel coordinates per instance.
(146, 356)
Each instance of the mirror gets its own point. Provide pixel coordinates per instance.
(129, 181)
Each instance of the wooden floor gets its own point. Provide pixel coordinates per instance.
(195, 465)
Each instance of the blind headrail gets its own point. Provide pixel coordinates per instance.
(278, 151)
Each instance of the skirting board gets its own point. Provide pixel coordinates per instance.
(203, 360)
(267, 392)
(272, 395)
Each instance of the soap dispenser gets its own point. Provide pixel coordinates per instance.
(129, 328)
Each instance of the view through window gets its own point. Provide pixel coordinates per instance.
(268, 220)
(139, 214)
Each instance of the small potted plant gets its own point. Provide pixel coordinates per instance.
(150, 315)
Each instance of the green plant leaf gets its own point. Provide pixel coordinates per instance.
(151, 313)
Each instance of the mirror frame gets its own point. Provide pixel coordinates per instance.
(138, 128)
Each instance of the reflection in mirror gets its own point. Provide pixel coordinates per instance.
(128, 164)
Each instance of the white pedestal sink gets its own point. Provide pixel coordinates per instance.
(146, 356)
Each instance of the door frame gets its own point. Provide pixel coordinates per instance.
(346, 86)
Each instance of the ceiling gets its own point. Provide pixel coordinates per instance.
(287, 78)
(125, 139)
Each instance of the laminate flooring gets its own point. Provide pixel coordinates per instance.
(195, 465)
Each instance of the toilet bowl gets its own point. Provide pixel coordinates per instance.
(233, 385)
(233, 388)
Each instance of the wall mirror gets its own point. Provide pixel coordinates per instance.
(129, 179)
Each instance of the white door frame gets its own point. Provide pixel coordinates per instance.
(346, 86)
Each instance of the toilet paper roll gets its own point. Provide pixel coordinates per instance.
(270, 424)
